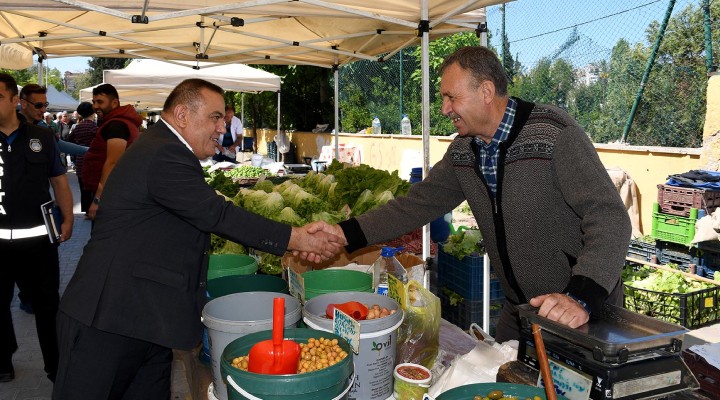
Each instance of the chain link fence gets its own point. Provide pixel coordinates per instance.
(586, 56)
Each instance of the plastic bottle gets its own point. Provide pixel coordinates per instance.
(387, 264)
(376, 128)
(405, 127)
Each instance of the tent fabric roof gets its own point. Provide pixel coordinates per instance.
(302, 32)
(147, 83)
(60, 101)
(153, 73)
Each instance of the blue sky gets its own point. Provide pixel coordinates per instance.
(538, 28)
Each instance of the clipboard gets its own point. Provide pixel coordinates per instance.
(53, 220)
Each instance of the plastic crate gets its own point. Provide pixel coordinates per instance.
(465, 277)
(465, 312)
(641, 250)
(673, 228)
(691, 310)
(678, 200)
(678, 254)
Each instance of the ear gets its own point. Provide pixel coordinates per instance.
(487, 88)
(181, 114)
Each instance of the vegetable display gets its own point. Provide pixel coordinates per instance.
(464, 243)
(333, 196)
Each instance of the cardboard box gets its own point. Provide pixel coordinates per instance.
(364, 256)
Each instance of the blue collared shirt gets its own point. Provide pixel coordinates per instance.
(489, 151)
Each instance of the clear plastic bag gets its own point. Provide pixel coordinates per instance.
(418, 337)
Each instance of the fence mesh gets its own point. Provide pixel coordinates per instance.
(586, 56)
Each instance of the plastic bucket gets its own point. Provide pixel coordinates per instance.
(256, 160)
(466, 392)
(375, 362)
(326, 281)
(230, 317)
(333, 382)
(230, 264)
(226, 285)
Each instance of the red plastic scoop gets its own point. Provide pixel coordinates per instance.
(354, 309)
(276, 356)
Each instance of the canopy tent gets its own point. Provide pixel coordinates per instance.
(60, 101)
(147, 83)
(15, 56)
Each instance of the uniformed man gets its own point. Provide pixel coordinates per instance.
(29, 166)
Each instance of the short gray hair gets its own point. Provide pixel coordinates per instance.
(482, 63)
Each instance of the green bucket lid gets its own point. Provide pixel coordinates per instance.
(335, 280)
(466, 392)
(230, 264)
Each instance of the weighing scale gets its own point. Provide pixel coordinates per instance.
(297, 169)
(617, 355)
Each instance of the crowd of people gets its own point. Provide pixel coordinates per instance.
(553, 224)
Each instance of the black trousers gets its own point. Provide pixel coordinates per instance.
(98, 365)
(36, 272)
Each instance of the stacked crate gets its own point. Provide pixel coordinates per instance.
(673, 226)
(460, 288)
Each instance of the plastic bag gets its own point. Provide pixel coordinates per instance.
(480, 365)
(418, 337)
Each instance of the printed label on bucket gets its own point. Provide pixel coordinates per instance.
(296, 285)
(347, 328)
(382, 289)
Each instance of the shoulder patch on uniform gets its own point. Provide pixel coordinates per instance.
(35, 145)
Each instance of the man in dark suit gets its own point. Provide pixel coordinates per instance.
(139, 286)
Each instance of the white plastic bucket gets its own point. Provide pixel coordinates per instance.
(256, 160)
(375, 362)
(233, 316)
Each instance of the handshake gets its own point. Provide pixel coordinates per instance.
(317, 241)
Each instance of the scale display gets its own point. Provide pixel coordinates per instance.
(617, 355)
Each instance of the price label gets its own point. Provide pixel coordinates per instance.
(296, 285)
(396, 290)
(347, 328)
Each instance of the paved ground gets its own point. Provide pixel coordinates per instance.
(30, 381)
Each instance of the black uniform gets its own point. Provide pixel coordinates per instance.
(28, 158)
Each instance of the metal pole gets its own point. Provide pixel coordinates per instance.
(337, 111)
(708, 37)
(502, 37)
(401, 84)
(648, 68)
(425, 65)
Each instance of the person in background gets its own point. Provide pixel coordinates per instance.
(30, 259)
(228, 144)
(552, 222)
(33, 103)
(141, 281)
(51, 124)
(82, 133)
(118, 127)
(64, 128)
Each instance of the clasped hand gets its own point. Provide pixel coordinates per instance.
(317, 241)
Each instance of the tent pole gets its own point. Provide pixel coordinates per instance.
(277, 156)
(242, 111)
(425, 64)
(336, 73)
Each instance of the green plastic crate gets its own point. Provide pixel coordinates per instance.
(673, 228)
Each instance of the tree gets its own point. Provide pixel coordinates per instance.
(100, 64)
(29, 75)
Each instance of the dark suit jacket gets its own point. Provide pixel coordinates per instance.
(142, 273)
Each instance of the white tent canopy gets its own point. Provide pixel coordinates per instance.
(60, 101)
(147, 83)
(231, 77)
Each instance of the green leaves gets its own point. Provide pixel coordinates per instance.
(464, 243)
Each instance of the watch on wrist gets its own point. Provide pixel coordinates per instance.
(96, 200)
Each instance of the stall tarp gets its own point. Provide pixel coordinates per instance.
(60, 101)
(154, 73)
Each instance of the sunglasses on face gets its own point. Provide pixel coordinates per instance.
(38, 105)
